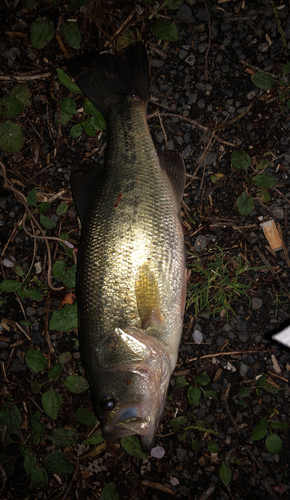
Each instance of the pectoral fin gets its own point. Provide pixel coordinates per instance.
(147, 296)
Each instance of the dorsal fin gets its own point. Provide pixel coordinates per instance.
(173, 165)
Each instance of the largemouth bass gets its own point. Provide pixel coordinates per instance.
(131, 267)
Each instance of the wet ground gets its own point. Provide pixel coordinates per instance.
(216, 429)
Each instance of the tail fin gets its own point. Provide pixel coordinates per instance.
(104, 78)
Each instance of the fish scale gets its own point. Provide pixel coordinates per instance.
(130, 281)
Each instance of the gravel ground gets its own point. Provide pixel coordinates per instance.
(203, 104)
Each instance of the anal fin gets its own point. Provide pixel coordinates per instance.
(83, 183)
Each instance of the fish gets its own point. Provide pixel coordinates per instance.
(131, 284)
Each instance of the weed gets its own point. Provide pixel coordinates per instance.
(216, 284)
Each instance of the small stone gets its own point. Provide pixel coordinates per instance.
(181, 454)
(279, 212)
(189, 60)
(256, 303)
(243, 370)
(200, 243)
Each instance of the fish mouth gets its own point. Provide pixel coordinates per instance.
(134, 419)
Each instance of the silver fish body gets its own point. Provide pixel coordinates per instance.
(131, 269)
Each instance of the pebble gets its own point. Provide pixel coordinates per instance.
(200, 243)
(256, 303)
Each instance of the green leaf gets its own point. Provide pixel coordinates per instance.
(39, 477)
(95, 438)
(36, 361)
(264, 195)
(244, 392)
(263, 81)
(51, 402)
(68, 106)
(41, 32)
(165, 30)
(65, 319)
(10, 107)
(21, 92)
(47, 222)
(69, 278)
(21, 293)
(273, 444)
(262, 381)
(202, 379)
(31, 197)
(65, 357)
(36, 387)
(213, 447)
(132, 445)
(225, 474)
(240, 160)
(72, 5)
(177, 422)
(193, 395)
(99, 123)
(265, 180)
(64, 118)
(72, 34)
(109, 492)
(43, 207)
(10, 285)
(245, 204)
(19, 271)
(34, 294)
(286, 68)
(61, 209)
(195, 445)
(210, 394)
(37, 429)
(65, 80)
(11, 137)
(7, 462)
(282, 426)
(63, 437)
(76, 131)
(88, 128)
(11, 418)
(260, 431)
(55, 371)
(171, 4)
(76, 384)
(58, 269)
(86, 417)
(124, 40)
(56, 462)
(181, 382)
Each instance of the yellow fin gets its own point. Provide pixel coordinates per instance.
(147, 296)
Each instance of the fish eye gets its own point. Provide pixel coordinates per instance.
(107, 403)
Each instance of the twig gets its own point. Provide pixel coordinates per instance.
(209, 40)
(24, 77)
(163, 129)
(232, 353)
(194, 122)
(21, 198)
(35, 130)
(157, 486)
(283, 244)
(73, 478)
(123, 25)
(277, 191)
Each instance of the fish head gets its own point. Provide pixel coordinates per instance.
(129, 389)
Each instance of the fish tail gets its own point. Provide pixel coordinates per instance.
(105, 78)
